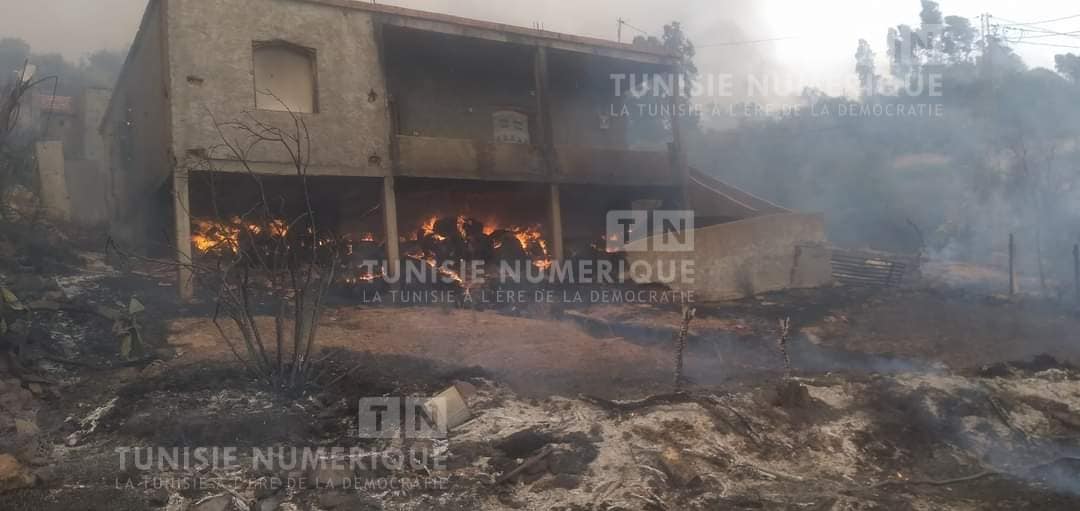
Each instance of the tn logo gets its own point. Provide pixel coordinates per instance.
(659, 230)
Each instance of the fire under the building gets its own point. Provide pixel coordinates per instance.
(428, 139)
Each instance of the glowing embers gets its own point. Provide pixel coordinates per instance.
(461, 238)
(214, 237)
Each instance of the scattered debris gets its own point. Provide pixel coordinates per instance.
(90, 423)
(451, 404)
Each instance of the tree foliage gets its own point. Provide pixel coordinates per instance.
(99, 68)
(1069, 66)
(1001, 154)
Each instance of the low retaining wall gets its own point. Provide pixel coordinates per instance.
(748, 257)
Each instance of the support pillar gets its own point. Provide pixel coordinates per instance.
(555, 222)
(53, 180)
(679, 162)
(390, 225)
(182, 217)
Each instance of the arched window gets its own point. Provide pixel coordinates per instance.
(285, 77)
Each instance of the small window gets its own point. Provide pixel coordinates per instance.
(284, 78)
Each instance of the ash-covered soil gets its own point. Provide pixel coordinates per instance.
(922, 398)
(906, 441)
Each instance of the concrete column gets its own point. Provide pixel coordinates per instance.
(182, 215)
(390, 225)
(51, 175)
(682, 168)
(555, 222)
(544, 138)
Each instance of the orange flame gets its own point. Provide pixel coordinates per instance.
(530, 238)
(212, 236)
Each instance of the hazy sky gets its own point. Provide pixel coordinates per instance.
(824, 33)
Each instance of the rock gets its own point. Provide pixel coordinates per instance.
(538, 468)
(269, 504)
(523, 443)
(7, 250)
(558, 482)
(48, 474)
(16, 399)
(13, 475)
(567, 462)
(509, 502)
(346, 501)
(35, 389)
(218, 503)
(19, 204)
(531, 477)
(680, 471)
(176, 502)
(28, 284)
(792, 394)
(328, 475)
(158, 497)
(26, 427)
(267, 487)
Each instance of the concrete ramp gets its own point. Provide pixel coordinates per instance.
(746, 257)
(715, 201)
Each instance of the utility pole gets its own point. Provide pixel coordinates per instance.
(621, 22)
(988, 59)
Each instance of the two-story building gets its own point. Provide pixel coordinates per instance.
(410, 110)
(410, 114)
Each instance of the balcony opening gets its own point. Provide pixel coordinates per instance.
(461, 88)
(592, 103)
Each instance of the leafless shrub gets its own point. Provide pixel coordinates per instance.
(12, 94)
(271, 261)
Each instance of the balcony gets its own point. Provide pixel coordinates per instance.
(457, 158)
(467, 108)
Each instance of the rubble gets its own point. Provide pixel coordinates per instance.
(13, 475)
(19, 204)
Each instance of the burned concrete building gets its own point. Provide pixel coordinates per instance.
(412, 115)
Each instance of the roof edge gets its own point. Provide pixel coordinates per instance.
(491, 25)
(151, 6)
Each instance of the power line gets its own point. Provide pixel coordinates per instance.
(751, 41)
(1026, 35)
(1030, 23)
(1046, 44)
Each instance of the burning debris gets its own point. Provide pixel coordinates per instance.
(225, 238)
(442, 243)
(461, 238)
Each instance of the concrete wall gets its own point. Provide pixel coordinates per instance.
(753, 256)
(210, 63)
(92, 109)
(54, 191)
(65, 128)
(87, 191)
(136, 134)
